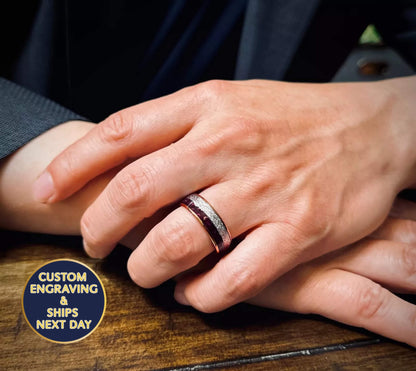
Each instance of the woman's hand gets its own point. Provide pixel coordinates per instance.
(18, 209)
(294, 170)
(20, 212)
(354, 285)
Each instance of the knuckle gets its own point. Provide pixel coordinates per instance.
(210, 90)
(174, 244)
(118, 127)
(242, 282)
(132, 190)
(371, 302)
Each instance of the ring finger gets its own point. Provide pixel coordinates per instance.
(180, 241)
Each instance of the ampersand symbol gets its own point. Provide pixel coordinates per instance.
(63, 301)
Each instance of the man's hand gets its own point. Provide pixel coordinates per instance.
(294, 170)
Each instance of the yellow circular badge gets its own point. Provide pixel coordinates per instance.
(64, 301)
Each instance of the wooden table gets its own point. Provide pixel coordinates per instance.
(147, 329)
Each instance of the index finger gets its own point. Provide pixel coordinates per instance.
(129, 133)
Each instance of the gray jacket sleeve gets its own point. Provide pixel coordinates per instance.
(24, 115)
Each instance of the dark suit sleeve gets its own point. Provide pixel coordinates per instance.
(24, 115)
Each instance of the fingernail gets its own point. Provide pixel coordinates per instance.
(43, 188)
(180, 296)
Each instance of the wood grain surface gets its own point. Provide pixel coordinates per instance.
(147, 329)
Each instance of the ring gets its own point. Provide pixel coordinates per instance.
(210, 220)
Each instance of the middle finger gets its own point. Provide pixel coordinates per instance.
(137, 192)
